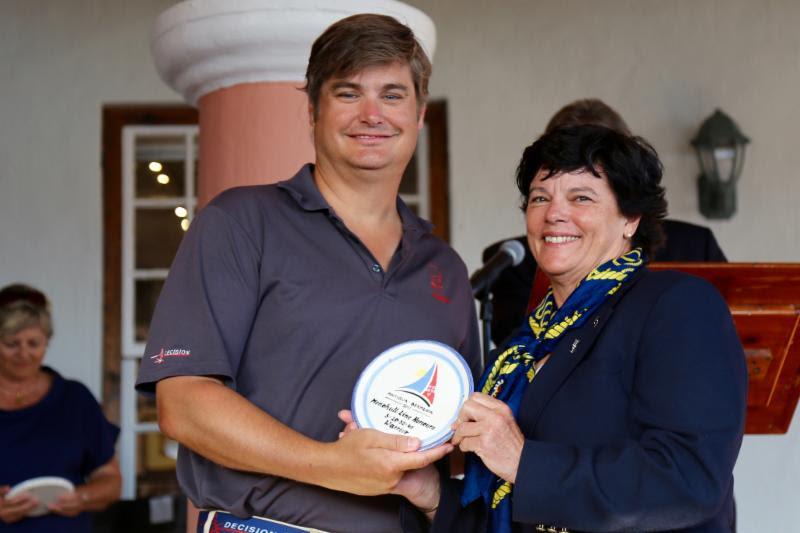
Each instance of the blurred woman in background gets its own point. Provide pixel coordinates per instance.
(50, 426)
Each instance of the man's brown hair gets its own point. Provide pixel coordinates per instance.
(362, 41)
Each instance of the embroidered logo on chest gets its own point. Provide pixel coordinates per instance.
(437, 283)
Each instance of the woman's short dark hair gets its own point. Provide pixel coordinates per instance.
(630, 164)
(362, 41)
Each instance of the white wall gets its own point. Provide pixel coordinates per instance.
(504, 67)
(60, 61)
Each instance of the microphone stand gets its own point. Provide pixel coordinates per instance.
(511, 253)
(486, 316)
(487, 313)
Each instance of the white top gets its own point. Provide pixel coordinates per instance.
(200, 46)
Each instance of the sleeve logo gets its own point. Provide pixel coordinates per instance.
(161, 356)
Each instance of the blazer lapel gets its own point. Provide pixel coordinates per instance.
(569, 352)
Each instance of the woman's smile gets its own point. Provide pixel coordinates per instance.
(574, 225)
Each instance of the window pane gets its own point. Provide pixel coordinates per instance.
(196, 142)
(155, 470)
(147, 291)
(160, 170)
(156, 452)
(146, 407)
(158, 234)
(409, 183)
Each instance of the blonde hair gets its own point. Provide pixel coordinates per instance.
(21, 307)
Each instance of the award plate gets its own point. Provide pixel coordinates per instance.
(415, 388)
(45, 489)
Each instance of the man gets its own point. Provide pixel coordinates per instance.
(280, 295)
(511, 290)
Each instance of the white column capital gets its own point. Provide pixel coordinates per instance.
(200, 46)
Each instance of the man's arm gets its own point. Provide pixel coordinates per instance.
(199, 412)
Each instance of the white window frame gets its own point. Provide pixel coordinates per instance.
(422, 198)
(133, 350)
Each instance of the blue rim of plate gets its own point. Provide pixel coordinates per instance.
(404, 349)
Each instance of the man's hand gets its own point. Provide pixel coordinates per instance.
(346, 416)
(487, 427)
(16, 508)
(369, 462)
(421, 486)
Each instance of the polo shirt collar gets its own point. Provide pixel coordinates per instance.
(304, 190)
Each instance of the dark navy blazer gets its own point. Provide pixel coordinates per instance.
(635, 422)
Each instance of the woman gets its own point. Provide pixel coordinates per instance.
(49, 426)
(619, 405)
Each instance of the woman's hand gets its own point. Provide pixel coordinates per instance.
(420, 487)
(69, 504)
(487, 427)
(16, 508)
(100, 490)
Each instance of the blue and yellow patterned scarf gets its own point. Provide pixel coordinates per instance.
(514, 369)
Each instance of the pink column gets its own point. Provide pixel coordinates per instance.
(252, 133)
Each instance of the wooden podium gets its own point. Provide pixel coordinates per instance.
(764, 299)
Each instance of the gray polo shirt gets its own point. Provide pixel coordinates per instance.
(271, 292)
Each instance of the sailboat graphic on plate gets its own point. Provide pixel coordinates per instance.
(425, 387)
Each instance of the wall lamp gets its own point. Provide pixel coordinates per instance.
(720, 150)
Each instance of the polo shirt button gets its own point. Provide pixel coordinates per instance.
(376, 268)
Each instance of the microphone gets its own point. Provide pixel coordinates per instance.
(511, 253)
